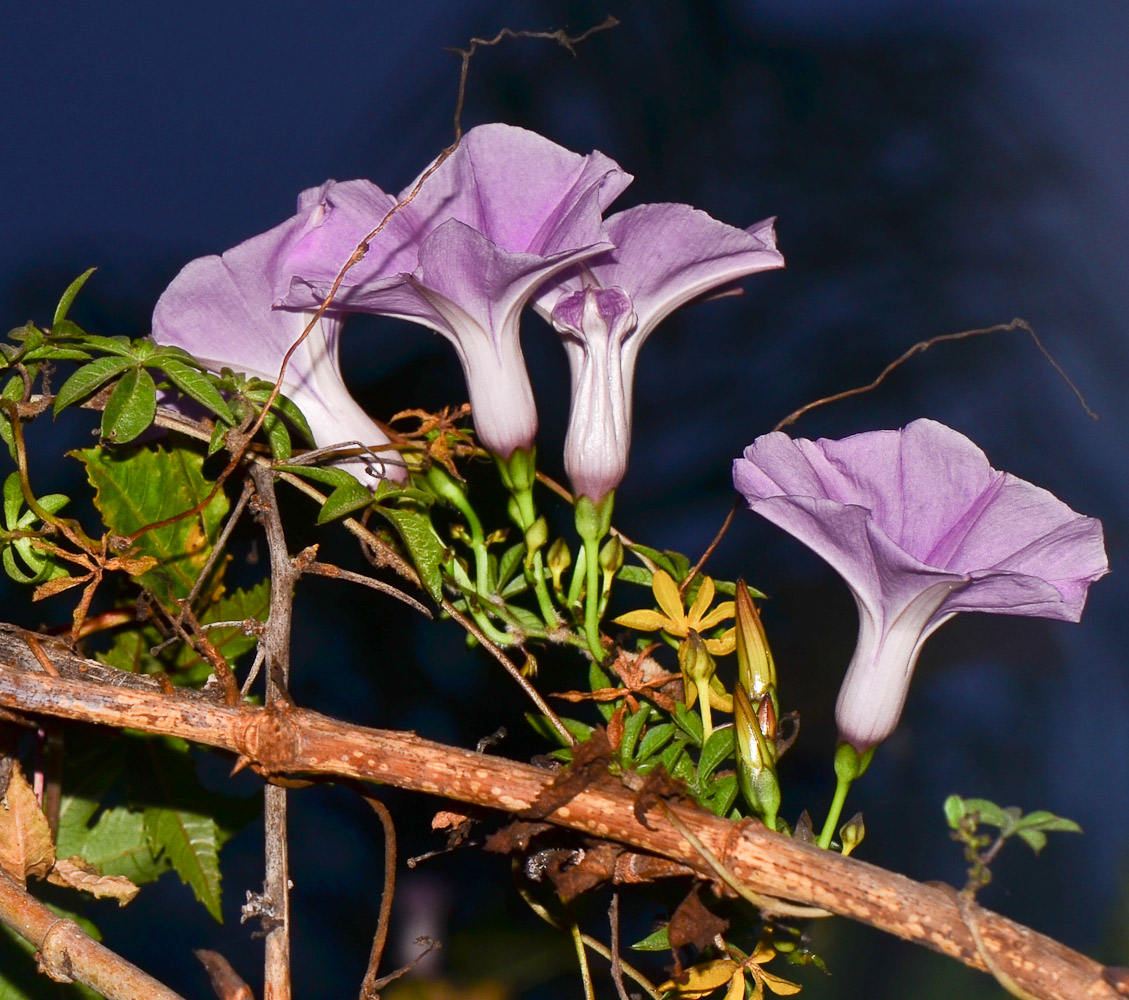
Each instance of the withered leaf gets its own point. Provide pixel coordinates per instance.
(514, 837)
(25, 836)
(574, 872)
(694, 925)
(590, 760)
(658, 787)
(75, 873)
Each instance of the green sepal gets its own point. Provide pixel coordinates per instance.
(656, 941)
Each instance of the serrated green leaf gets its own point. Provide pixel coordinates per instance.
(717, 748)
(130, 652)
(278, 437)
(654, 739)
(121, 346)
(131, 407)
(196, 385)
(324, 474)
(190, 842)
(141, 486)
(260, 393)
(119, 843)
(88, 378)
(344, 500)
(69, 296)
(424, 546)
(656, 941)
(52, 352)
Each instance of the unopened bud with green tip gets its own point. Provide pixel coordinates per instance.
(698, 668)
(756, 669)
(756, 765)
(559, 560)
(611, 560)
(851, 833)
(536, 535)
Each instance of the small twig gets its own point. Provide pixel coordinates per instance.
(226, 982)
(221, 541)
(337, 573)
(559, 36)
(617, 971)
(512, 670)
(369, 986)
(276, 644)
(684, 586)
(582, 959)
(195, 636)
(924, 345)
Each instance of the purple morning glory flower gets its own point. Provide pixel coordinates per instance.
(605, 308)
(219, 310)
(507, 210)
(920, 526)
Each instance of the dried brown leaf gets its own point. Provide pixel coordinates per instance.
(25, 836)
(590, 761)
(76, 873)
(692, 924)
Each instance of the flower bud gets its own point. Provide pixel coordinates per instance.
(559, 560)
(851, 833)
(757, 671)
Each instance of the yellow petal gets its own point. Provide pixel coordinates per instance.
(666, 593)
(724, 610)
(701, 602)
(644, 621)
(703, 979)
(723, 646)
(781, 987)
(736, 989)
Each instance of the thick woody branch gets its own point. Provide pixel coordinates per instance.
(66, 953)
(281, 739)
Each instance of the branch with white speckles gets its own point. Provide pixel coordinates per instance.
(282, 739)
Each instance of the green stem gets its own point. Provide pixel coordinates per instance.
(842, 786)
(592, 598)
(544, 602)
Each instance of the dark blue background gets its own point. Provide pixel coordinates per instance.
(931, 172)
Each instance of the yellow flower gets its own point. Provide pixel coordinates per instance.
(675, 621)
(703, 979)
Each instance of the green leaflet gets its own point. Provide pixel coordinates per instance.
(131, 407)
(424, 546)
(138, 487)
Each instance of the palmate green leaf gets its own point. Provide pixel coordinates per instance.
(120, 843)
(130, 652)
(131, 407)
(88, 378)
(141, 486)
